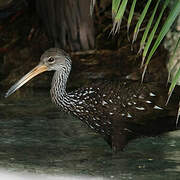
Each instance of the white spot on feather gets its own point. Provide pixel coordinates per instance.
(140, 108)
(104, 103)
(127, 129)
(141, 97)
(129, 116)
(102, 130)
(97, 124)
(123, 105)
(92, 105)
(151, 94)
(91, 127)
(149, 102)
(85, 93)
(110, 101)
(90, 92)
(87, 97)
(157, 107)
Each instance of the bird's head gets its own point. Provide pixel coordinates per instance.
(53, 59)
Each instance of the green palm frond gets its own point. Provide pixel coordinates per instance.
(131, 13)
(177, 74)
(115, 7)
(178, 115)
(141, 18)
(173, 84)
(176, 78)
(169, 21)
(143, 40)
(118, 9)
(172, 59)
(152, 34)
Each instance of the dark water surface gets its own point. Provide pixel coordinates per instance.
(38, 138)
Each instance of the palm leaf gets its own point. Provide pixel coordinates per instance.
(118, 16)
(151, 36)
(142, 43)
(141, 18)
(173, 84)
(115, 7)
(178, 114)
(131, 13)
(171, 18)
(172, 58)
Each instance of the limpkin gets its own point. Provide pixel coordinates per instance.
(119, 111)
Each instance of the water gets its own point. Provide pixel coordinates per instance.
(37, 138)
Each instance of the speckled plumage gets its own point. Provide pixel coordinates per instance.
(116, 110)
(119, 111)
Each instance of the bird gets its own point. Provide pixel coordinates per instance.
(119, 110)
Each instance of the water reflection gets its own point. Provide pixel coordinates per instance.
(36, 137)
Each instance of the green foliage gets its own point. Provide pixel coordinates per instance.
(150, 38)
(169, 21)
(177, 76)
(115, 7)
(141, 18)
(118, 9)
(178, 114)
(131, 13)
(143, 40)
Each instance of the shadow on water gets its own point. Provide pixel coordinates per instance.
(37, 137)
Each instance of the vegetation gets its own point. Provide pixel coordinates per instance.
(147, 49)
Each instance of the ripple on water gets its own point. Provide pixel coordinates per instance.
(38, 138)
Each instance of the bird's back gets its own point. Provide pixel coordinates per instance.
(121, 111)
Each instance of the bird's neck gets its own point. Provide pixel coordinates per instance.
(58, 90)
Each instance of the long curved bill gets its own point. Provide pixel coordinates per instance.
(34, 72)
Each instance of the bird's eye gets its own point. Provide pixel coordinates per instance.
(51, 60)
